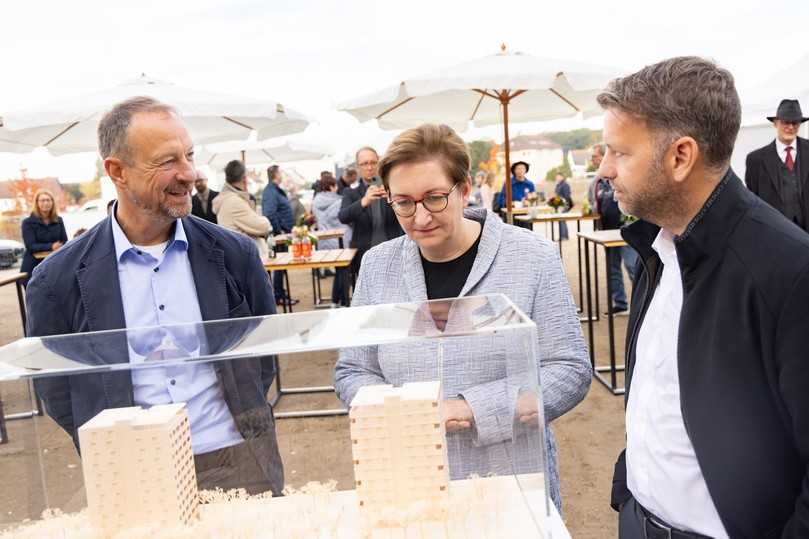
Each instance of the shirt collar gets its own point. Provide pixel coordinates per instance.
(781, 147)
(123, 245)
(664, 246)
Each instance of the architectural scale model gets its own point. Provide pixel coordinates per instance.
(139, 468)
(399, 448)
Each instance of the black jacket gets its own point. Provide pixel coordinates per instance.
(206, 212)
(743, 358)
(761, 175)
(38, 237)
(352, 213)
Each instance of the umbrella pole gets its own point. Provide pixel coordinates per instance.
(243, 163)
(507, 144)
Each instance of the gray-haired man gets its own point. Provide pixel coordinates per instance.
(150, 265)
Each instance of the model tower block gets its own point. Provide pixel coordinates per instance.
(399, 448)
(139, 468)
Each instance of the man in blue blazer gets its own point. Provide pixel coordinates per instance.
(151, 265)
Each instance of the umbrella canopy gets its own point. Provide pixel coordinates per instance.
(504, 87)
(69, 126)
(220, 154)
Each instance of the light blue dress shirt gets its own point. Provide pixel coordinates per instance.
(157, 289)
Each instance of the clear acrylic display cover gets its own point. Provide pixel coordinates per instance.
(394, 467)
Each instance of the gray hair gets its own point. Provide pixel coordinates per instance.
(682, 96)
(364, 149)
(114, 126)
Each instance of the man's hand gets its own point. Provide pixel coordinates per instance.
(373, 193)
(457, 415)
(527, 408)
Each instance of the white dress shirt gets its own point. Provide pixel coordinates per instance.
(661, 467)
(781, 148)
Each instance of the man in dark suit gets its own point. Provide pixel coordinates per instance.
(717, 406)
(202, 201)
(779, 172)
(150, 265)
(366, 209)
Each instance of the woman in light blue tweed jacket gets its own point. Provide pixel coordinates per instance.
(451, 251)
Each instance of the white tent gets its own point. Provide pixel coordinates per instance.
(259, 152)
(69, 125)
(762, 101)
(497, 89)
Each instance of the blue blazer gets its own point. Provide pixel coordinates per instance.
(76, 289)
(275, 206)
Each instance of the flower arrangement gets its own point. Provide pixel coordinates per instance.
(532, 199)
(586, 209)
(556, 202)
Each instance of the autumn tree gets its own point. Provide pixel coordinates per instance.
(479, 152)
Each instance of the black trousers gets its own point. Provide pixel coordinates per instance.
(633, 523)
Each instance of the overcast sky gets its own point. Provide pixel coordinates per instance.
(311, 55)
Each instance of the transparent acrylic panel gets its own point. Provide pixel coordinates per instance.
(464, 456)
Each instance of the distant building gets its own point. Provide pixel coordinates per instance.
(536, 150)
(399, 448)
(579, 160)
(139, 468)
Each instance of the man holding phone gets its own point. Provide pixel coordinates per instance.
(366, 210)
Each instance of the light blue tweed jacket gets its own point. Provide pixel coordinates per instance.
(526, 268)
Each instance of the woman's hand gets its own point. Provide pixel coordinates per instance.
(55, 245)
(457, 415)
(527, 408)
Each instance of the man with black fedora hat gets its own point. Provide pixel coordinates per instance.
(779, 172)
(520, 187)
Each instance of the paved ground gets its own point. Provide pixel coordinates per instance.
(589, 437)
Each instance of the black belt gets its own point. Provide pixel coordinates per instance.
(656, 528)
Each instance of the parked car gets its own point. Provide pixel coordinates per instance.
(10, 252)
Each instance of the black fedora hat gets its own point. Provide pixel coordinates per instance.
(789, 110)
(514, 165)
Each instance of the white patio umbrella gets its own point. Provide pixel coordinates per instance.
(504, 87)
(268, 151)
(69, 126)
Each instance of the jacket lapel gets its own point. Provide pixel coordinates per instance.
(771, 164)
(208, 267)
(413, 272)
(100, 291)
(487, 249)
(98, 282)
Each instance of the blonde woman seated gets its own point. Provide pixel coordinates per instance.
(449, 251)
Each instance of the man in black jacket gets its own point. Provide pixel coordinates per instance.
(717, 381)
(202, 201)
(779, 172)
(366, 209)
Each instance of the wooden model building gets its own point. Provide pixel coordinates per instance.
(399, 449)
(139, 468)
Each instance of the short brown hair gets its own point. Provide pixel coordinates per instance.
(327, 183)
(113, 127)
(683, 96)
(54, 210)
(428, 141)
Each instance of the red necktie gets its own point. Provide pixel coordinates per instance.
(790, 163)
